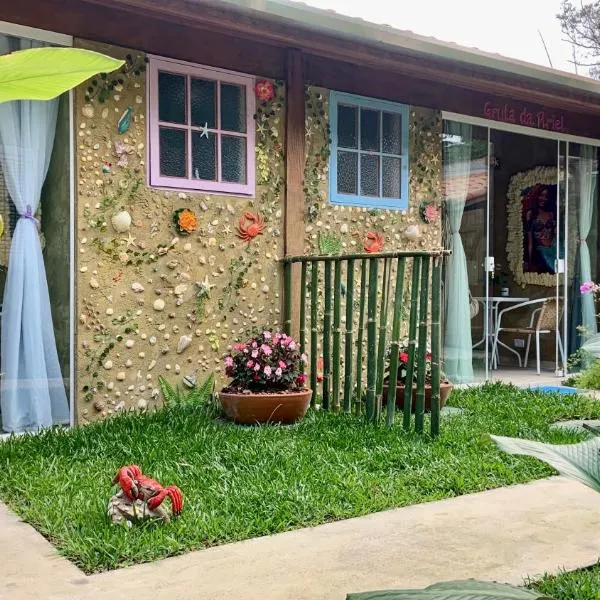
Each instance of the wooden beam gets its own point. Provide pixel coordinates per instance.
(294, 174)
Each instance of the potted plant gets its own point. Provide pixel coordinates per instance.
(445, 385)
(267, 380)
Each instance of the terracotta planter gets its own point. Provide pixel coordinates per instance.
(445, 389)
(249, 409)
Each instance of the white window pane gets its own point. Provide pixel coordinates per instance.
(233, 107)
(392, 177)
(392, 133)
(347, 173)
(347, 126)
(204, 156)
(171, 98)
(173, 152)
(369, 175)
(233, 159)
(203, 102)
(369, 129)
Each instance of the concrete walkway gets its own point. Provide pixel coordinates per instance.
(504, 535)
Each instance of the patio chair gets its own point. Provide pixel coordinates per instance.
(543, 320)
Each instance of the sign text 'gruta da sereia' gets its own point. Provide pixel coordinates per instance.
(541, 119)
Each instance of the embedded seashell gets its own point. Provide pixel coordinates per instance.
(137, 287)
(184, 342)
(180, 289)
(88, 111)
(189, 381)
(159, 304)
(94, 283)
(411, 232)
(108, 364)
(121, 221)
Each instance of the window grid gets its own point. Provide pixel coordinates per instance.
(381, 106)
(190, 71)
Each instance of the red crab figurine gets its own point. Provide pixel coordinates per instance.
(250, 226)
(137, 486)
(373, 242)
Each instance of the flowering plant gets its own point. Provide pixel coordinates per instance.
(403, 366)
(269, 361)
(589, 287)
(185, 221)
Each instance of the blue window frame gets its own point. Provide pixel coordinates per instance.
(369, 152)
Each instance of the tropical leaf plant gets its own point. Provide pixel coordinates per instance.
(455, 590)
(580, 462)
(45, 73)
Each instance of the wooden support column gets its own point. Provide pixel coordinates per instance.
(294, 175)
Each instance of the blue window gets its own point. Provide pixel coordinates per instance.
(369, 152)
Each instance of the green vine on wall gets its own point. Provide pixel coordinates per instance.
(318, 134)
(269, 150)
(425, 141)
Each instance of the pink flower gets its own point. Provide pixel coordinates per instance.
(254, 345)
(292, 345)
(281, 364)
(267, 335)
(304, 358)
(239, 347)
(250, 364)
(254, 353)
(278, 371)
(430, 213)
(266, 350)
(267, 370)
(587, 287)
(257, 367)
(228, 361)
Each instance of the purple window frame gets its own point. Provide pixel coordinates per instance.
(189, 70)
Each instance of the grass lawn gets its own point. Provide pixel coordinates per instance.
(246, 482)
(576, 585)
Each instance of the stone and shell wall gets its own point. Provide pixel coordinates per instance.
(152, 302)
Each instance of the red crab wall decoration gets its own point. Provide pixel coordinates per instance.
(250, 225)
(137, 486)
(373, 242)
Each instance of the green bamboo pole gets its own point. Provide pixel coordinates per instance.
(361, 333)
(383, 320)
(314, 287)
(349, 345)
(287, 295)
(337, 333)
(327, 339)
(436, 309)
(412, 340)
(372, 342)
(395, 342)
(303, 283)
(422, 345)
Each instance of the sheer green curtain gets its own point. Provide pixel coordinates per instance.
(458, 353)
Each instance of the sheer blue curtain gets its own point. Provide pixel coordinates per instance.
(32, 392)
(458, 353)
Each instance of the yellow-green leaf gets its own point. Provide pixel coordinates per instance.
(45, 73)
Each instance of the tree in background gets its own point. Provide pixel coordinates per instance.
(581, 26)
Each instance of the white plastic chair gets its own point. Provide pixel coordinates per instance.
(543, 320)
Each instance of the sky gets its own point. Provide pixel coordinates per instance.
(507, 27)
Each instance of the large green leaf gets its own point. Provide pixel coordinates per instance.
(45, 73)
(455, 590)
(576, 461)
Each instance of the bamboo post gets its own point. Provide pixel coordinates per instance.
(303, 308)
(395, 342)
(349, 346)
(337, 333)
(361, 333)
(372, 342)
(436, 309)
(383, 319)
(422, 345)
(287, 295)
(412, 334)
(327, 339)
(314, 286)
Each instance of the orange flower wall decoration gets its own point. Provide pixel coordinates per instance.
(185, 221)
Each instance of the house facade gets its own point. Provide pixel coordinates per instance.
(236, 134)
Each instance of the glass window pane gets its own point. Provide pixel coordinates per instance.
(203, 103)
(369, 129)
(233, 108)
(173, 152)
(171, 98)
(347, 126)
(204, 156)
(392, 133)
(347, 173)
(392, 177)
(233, 159)
(369, 175)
